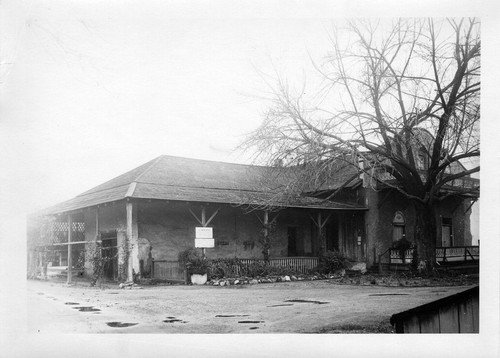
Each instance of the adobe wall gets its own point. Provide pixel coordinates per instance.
(383, 206)
(170, 228)
(455, 208)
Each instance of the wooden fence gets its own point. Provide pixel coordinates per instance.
(457, 313)
(168, 270)
(296, 264)
(173, 271)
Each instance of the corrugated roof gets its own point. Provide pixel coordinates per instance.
(184, 179)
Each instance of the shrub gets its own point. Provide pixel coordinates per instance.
(97, 260)
(402, 244)
(194, 263)
(333, 261)
(225, 267)
(230, 267)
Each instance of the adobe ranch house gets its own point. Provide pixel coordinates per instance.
(158, 205)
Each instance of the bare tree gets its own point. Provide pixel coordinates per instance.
(399, 102)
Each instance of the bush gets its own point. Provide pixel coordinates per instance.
(220, 268)
(333, 261)
(402, 244)
(194, 263)
(231, 267)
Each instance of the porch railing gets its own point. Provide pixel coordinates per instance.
(397, 256)
(457, 253)
(443, 255)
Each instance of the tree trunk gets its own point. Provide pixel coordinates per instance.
(425, 236)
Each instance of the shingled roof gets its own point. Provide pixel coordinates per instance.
(184, 179)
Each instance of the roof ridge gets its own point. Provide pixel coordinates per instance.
(199, 187)
(216, 161)
(148, 168)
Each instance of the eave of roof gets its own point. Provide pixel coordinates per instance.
(183, 179)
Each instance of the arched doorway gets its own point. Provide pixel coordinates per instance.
(398, 226)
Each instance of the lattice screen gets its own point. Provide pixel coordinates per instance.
(60, 229)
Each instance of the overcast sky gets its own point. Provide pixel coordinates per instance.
(91, 89)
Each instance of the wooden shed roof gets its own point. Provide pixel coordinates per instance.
(184, 179)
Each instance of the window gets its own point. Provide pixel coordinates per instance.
(422, 159)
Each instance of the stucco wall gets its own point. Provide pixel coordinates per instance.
(170, 228)
(455, 208)
(383, 206)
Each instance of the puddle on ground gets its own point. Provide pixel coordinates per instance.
(87, 309)
(282, 305)
(71, 303)
(254, 327)
(389, 294)
(172, 319)
(232, 315)
(308, 301)
(120, 324)
(112, 293)
(250, 321)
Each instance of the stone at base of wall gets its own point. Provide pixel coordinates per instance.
(360, 267)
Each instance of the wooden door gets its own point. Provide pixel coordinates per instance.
(446, 236)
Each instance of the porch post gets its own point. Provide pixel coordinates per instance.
(203, 223)
(129, 207)
(322, 243)
(96, 223)
(266, 229)
(70, 261)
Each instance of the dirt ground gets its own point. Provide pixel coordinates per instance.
(286, 307)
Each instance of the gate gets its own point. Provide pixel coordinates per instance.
(168, 270)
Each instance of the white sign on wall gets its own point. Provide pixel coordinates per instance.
(204, 233)
(204, 243)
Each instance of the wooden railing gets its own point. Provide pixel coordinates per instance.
(297, 264)
(443, 255)
(397, 256)
(173, 271)
(168, 270)
(457, 253)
